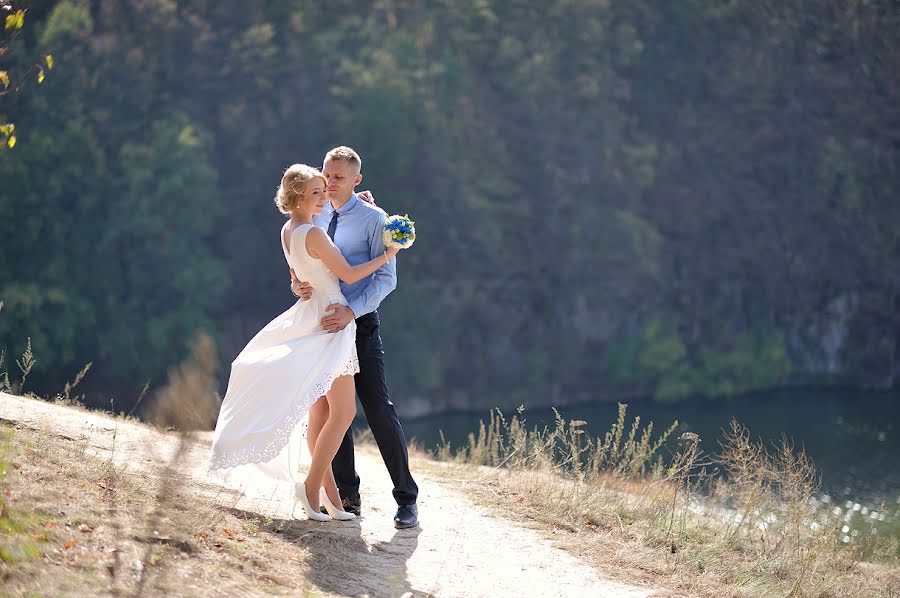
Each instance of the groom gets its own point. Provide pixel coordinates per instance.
(356, 228)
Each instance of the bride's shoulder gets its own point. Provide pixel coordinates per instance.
(299, 227)
(315, 234)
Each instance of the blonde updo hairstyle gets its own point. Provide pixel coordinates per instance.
(293, 186)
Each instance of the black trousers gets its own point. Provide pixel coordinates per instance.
(373, 393)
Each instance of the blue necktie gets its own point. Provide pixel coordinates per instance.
(332, 226)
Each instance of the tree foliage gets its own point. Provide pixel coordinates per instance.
(611, 198)
(11, 81)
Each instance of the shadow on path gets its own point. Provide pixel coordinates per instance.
(342, 562)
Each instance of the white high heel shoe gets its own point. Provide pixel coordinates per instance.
(335, 512)
(300, 496)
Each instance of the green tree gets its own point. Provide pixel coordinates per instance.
(160, 276)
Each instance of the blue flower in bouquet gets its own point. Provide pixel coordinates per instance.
(399, 231)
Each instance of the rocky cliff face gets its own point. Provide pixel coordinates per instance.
(817, 342)
(847, 342)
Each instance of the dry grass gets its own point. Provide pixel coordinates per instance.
(76, 518)
(755, 529)
(76, 525)
(83, 516)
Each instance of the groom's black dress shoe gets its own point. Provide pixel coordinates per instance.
(407, 516)
(352, 506)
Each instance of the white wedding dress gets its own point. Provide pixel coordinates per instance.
(281, 372)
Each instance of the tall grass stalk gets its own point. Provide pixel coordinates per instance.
(4, 373)
(26, 363)
(65, 397)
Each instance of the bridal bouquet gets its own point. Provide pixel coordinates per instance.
(399, 232)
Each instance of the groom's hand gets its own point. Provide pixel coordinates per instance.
(366, 196)
(337, 321)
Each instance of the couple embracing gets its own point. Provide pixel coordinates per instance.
(314, 358)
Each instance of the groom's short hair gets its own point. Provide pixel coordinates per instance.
(345, 153)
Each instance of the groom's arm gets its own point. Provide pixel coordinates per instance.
(385, 278)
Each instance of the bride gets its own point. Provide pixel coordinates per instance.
(294, 367)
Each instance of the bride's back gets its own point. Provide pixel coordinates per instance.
(306, 267)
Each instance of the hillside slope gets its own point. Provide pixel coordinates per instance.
(108, 514)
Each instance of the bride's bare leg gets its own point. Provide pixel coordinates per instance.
(318, 415)
(341, 410)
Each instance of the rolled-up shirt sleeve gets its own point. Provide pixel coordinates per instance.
(385, 278)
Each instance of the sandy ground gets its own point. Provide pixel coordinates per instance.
(459, 549)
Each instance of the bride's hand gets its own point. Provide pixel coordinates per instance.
(391, 252)
(301, 290)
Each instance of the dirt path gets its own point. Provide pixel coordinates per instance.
(459, 549)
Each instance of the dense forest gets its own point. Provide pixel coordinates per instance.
(612, 199)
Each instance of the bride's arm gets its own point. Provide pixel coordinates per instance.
(319, 245)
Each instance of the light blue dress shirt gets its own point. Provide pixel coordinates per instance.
(358, 235)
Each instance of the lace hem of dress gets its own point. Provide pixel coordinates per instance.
(282, 434)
